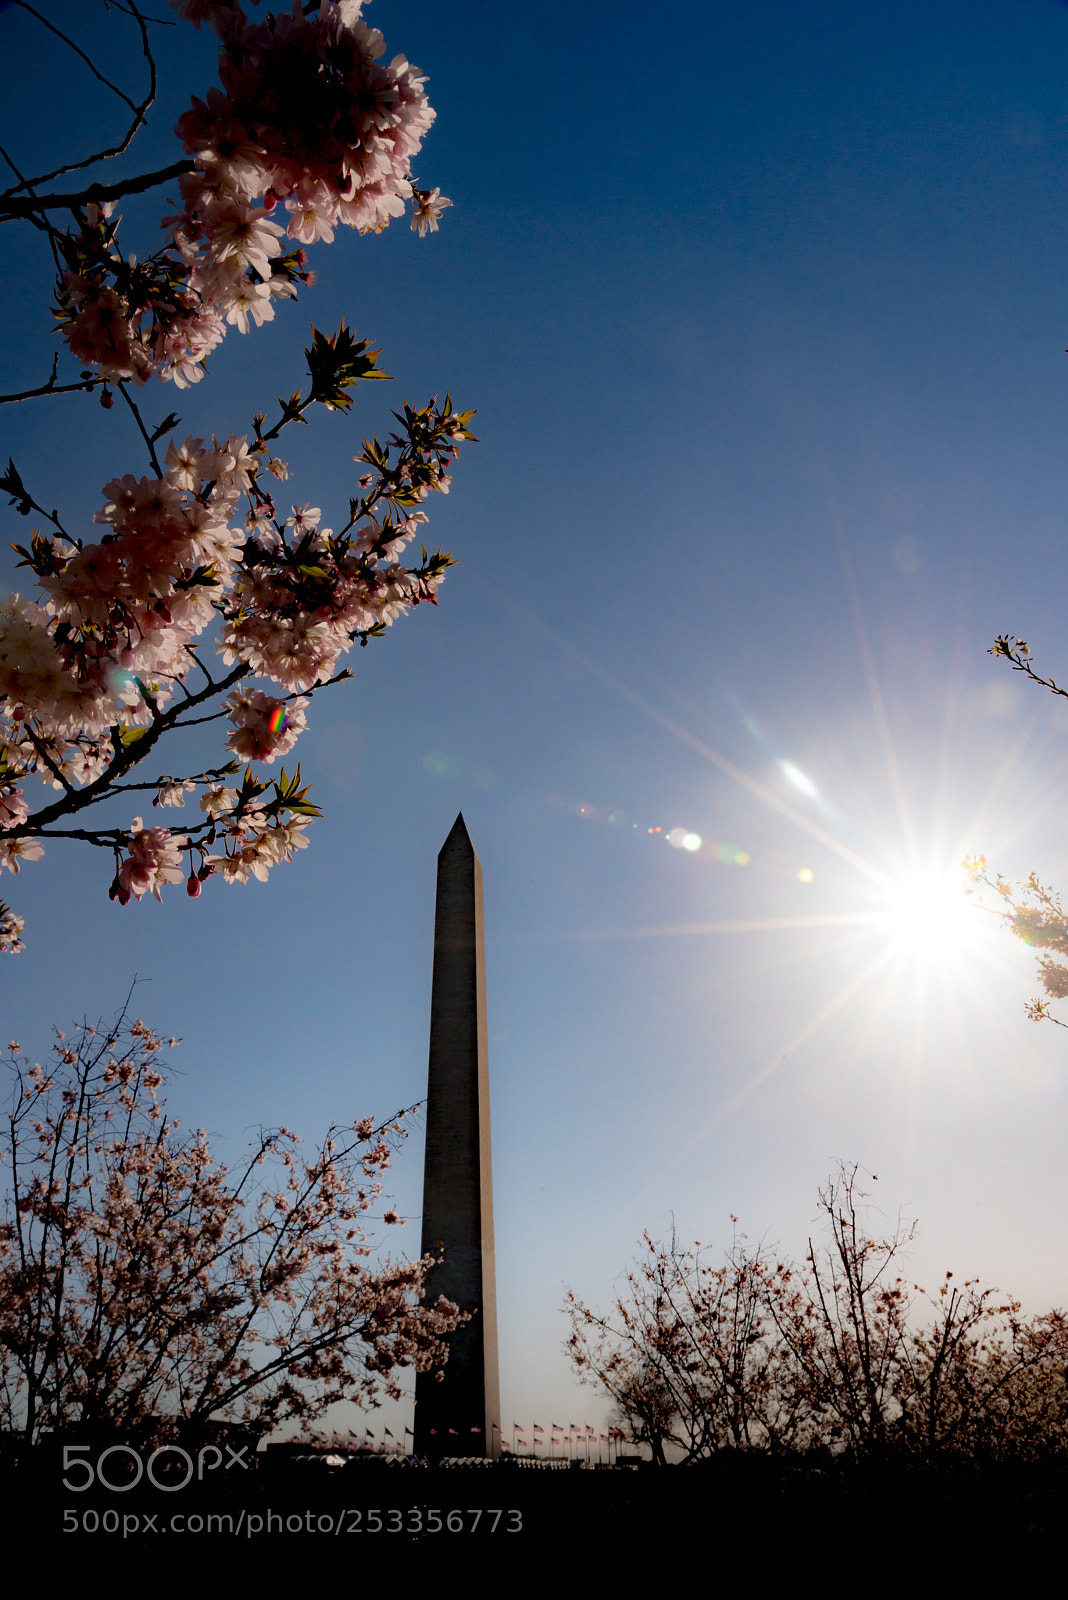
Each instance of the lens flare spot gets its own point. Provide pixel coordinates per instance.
(278, 721)
(806, 875)
(798, 779)
(120, 682)
(729, 854)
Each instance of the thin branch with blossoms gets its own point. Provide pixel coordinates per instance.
(1034, 913)
(1018, 653)
(291, 604)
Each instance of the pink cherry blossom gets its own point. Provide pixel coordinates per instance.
(13, 808)
(427, 207)
(14, 851)
(306, 113)
(154, 858)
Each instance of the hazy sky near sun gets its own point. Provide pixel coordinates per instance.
(763, 310)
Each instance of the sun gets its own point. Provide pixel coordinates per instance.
(928, 916)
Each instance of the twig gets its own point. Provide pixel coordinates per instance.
(78, 51)
(51, 387)
(1016, 652)
(96, 193)
(139, 109)
(150, 439)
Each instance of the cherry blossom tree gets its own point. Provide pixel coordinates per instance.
(141, 1279)
(689, 1353)
(843, 1320)
(980, 1381)
(308, 130)
(841, 1354)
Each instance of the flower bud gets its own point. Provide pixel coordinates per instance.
(192, 887)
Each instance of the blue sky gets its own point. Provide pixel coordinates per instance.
(762, 308)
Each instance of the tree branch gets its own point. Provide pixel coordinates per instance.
(51, 387)
(150, 439)
(139, 109)
(126, 756)
(16, 208)
(1016, 652)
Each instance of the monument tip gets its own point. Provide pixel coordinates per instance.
(459, 836)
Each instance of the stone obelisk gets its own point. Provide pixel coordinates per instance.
(460, 1415)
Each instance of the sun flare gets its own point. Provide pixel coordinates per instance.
(929, 916)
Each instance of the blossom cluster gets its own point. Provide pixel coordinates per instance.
(11, 931)
(114, 634)
(154, 858)
(309, 126)
(255, 842)
(291, 619)
(264, 726)
(1034, 912)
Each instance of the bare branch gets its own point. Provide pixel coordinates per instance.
(12, 207)
(51, 387)
(149, 438)
(78, 51)
(138, 108)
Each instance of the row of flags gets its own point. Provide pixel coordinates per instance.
(574, 1433)
(350, 1440)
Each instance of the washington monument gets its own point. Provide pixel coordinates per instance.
(459, 1416)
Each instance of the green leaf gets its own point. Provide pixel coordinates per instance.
(291, 797)
(336, 363)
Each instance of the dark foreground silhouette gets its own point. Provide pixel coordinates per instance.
(741, 1507)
